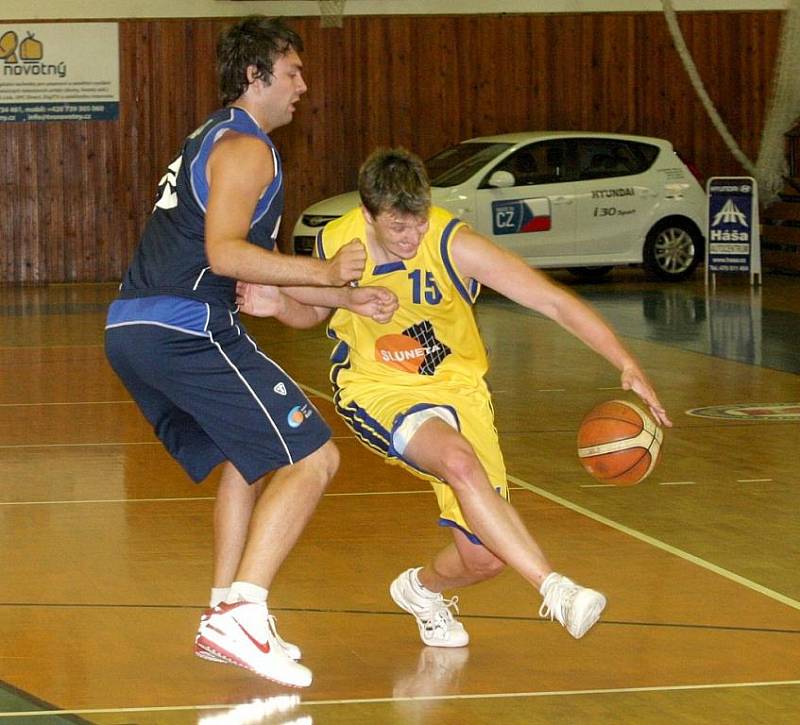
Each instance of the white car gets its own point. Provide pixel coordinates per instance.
(585, 201)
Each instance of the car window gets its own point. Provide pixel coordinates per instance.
(456, 164)
(545, 162)
(600, 158)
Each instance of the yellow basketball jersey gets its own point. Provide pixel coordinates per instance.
(433, 336)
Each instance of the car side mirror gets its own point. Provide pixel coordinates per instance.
(501, 179)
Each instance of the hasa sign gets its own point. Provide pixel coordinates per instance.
(732, 230)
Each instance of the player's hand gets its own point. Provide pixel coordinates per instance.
(377, 303)
(347, 265)
(260, 300)
(634, 379)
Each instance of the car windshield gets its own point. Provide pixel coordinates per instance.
(457, 163)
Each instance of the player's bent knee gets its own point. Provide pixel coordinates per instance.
(482, 563)
(461, 468)
(490, 568)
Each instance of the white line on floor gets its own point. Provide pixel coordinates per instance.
(432, 698)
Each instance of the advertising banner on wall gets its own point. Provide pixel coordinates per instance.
(59, 71)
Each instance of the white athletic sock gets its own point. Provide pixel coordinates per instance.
(246, 592)
(549, 579)
(420, 588)
(218, 595)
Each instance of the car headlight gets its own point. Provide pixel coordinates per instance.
(317, 220)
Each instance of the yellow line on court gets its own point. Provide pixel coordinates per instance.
(432, 698)
(658, 544)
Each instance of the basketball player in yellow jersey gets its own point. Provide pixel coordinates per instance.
(413, 388)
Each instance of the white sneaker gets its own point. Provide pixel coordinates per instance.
(437, 625)
(244, 634)
(292, 650)
(575, 607)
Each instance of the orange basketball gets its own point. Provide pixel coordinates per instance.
(619, 443)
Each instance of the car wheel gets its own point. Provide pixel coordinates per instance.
(672, 249)
(590, 274)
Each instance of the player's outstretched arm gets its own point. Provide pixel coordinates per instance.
(477, 257)
(305, 307)
(239, 170)
(266, 300)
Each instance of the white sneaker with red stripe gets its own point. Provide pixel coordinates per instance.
(291, 650)
(244, 634)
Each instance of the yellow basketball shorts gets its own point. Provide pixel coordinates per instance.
(375, 412)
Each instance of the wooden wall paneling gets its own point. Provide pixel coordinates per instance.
(750, 95)
(541, 31)
(31, 256)
(135, 171)
(566, 73)
(8, 198)
(617, 43)
(590, 111)
(646, 71)
(81, 197)
(717, 67)
(311, 146)
(670, 108)
(317, 147)
(76, 194)
(108, 210)
(356, 90)
(24, 244)
(492, 107)
(442, 64)
(758, 59)
(90, 184)
(94, 146)
(64, 194)
(406, 112)
(52, 181)
(462, 74)
(510, 66)
(525, 75)
(14, 197)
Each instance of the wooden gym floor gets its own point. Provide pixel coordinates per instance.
(105, 545)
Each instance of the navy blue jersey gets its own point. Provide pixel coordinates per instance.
(171, 257)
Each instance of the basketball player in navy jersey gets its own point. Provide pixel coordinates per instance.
(175, 339)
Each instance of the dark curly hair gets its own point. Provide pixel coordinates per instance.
(254, 41)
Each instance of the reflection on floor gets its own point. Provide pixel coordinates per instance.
(734, 323)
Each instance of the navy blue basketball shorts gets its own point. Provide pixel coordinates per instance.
(208, 391)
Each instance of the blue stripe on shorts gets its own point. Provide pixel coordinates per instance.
(179, 313)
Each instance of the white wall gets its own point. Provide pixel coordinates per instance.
(91, 9)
